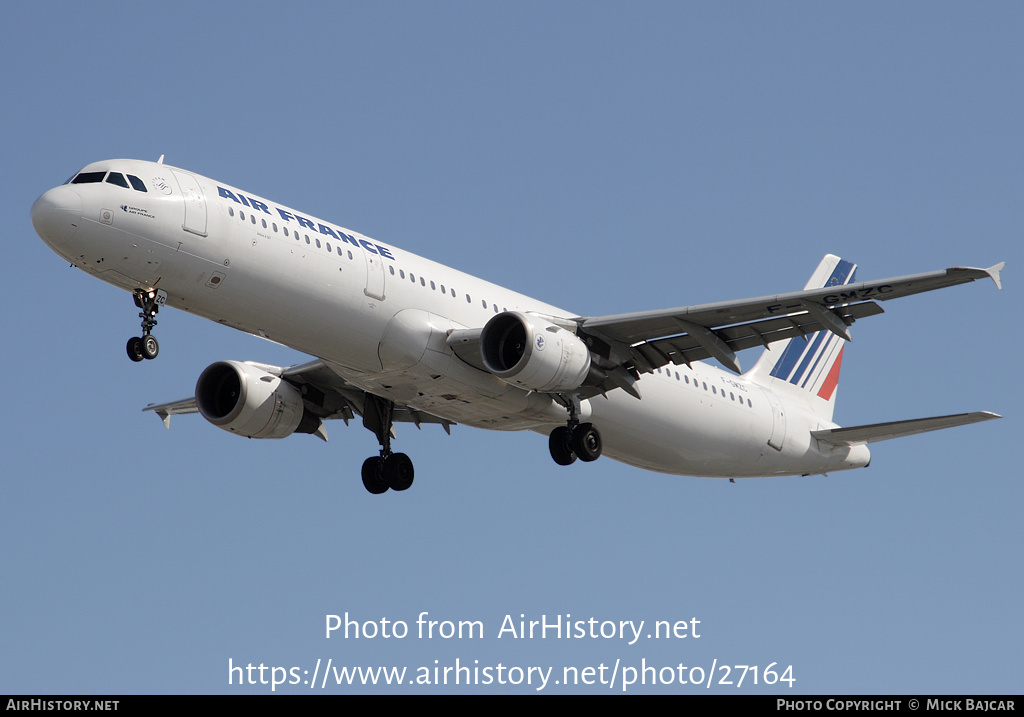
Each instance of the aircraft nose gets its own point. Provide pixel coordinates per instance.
(56, 215)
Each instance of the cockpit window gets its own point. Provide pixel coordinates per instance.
(112, 178)
(118, 179)
(88, 177)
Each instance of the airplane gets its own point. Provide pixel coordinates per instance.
(398, 338)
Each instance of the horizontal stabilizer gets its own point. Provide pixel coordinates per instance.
(172, 408)
(856, 435)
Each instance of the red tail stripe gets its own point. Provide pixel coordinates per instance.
(832, 380)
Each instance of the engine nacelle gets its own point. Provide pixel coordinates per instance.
(534, 354)
(246, 400)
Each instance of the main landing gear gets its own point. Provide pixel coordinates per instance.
(146, 346)
(388, 470)
(575, 440)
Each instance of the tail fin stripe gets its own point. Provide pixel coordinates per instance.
(812, 354)
(844, 273)
(827, 350)
(832, 380)
(789, 358)
(828, 357)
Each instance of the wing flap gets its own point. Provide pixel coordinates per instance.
(684, 348)
(633, 328)
(856, 435)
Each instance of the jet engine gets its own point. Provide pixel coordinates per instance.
(248, 401)
(534, 354)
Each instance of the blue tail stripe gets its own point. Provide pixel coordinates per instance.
(843, 273)
(789, 358)
(822, 354)
(819, 339)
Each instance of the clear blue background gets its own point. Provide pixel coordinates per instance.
(604, 157)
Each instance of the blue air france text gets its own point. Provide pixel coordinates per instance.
(337, 234)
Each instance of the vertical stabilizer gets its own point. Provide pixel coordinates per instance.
(808, 368)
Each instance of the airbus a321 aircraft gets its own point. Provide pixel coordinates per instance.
(399, 338)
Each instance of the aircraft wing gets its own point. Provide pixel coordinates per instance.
(643, 341)
(325, 394)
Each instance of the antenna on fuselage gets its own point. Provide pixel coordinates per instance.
(161, 160)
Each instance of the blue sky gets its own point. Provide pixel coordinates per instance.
(604, 157)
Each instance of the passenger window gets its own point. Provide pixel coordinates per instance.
(231, 211)
(390, 268)
(118, 179)
(137, 183)
(432, 287)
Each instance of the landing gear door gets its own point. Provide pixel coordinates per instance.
(195, 203)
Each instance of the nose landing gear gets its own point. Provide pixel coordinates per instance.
(146, 346)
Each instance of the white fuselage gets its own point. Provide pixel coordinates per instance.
(379, 316)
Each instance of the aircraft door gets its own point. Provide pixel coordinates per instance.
(778, 436)
(374, 276)
(195, 203)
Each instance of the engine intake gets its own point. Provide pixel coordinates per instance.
(533, 353)
(243, 399)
